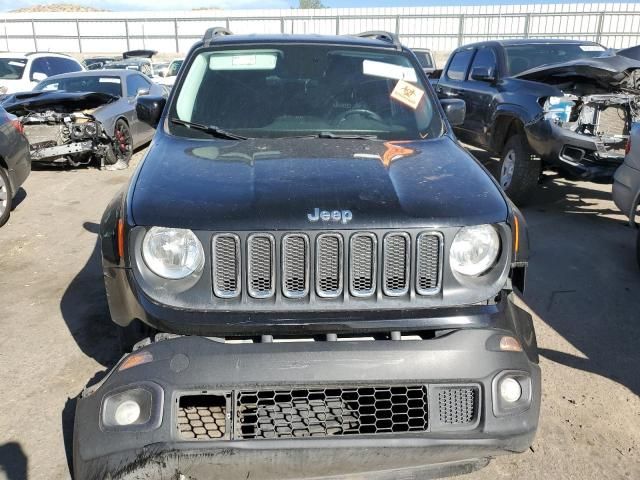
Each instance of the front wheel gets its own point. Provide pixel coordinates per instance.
(6, 197)
(122, 145)
(519, 170)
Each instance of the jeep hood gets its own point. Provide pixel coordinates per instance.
(273, 184)
(606, 71)
(58, 101)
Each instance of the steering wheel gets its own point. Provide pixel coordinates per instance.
(359, 111)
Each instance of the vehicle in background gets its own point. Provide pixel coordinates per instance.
(171, 73)
(562, 104)
(626, 183)
(138, 60)
(426, 59)
(15, 163)
(352, 271)
(78, 117)
(22, 72)
(96, 63)
(160, 68)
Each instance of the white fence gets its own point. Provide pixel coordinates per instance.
(615, 25)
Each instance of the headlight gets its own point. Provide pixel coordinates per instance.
(474, 250)
(558, 108)
(172, 253)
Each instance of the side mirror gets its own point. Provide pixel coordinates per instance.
(455, 110)
(483, 74)
(149, 109)
(142, 92)
(38, 76)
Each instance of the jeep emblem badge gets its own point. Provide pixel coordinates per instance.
(342, 216)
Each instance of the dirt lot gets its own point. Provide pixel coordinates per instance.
(583, 286)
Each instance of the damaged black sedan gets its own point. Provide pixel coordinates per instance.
(84, 117)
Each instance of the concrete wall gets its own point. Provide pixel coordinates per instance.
(615, 25)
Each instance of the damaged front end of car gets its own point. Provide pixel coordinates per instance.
(585, 126)
(61, 127)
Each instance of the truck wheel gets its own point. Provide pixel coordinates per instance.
(131, 334)
(6, 197)
(519, 171)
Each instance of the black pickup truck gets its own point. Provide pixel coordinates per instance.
(562, 104)
(334, 274)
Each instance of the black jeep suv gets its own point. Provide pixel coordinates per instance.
(562, 104)
(331, 264)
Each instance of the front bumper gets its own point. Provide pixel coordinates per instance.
(581, 156)
(190, 366)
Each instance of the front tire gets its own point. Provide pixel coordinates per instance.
(6, 197)
(122, 145)
(519, 170)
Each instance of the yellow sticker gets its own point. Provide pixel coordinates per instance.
(408, 94)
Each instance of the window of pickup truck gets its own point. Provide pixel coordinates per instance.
(525, 57)
(485, 58)
(459, 65)
(293, 90)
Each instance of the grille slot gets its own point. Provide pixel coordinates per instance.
(428, 267)
(457, 405)
(395, 275)
(226, 265)
(295, 265)
(321, 412)
(260, 265)
(202, 417)
(363, 264)
(329, 276)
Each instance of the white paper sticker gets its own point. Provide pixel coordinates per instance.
(408, 94)
(591, 48)
(17, 64)
(109, 80)
(388, 70)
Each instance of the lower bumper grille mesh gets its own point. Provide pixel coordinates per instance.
(457, 406)
(331, 411)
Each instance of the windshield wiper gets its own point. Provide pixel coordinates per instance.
(210, 129)
(338, 136)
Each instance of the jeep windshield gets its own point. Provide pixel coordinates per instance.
(521, 58)
(305, 90)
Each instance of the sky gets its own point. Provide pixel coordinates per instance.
(240, 4)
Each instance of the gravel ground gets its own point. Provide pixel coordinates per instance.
(583, 288)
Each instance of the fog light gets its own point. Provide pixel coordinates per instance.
(510, 390)
(128, 412)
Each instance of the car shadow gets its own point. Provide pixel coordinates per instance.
(18, 198)
(13, 461)
(85, 310)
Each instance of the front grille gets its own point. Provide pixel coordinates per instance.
(295, 265)
(428, 270)
(327, 265)
(226, 265)
(261, 265)
(363, 263)
(395, 274)
(318, 412)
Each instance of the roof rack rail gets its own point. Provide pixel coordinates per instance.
(214, 32)
(382, 35)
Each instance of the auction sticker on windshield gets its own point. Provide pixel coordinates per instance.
(408, 94)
